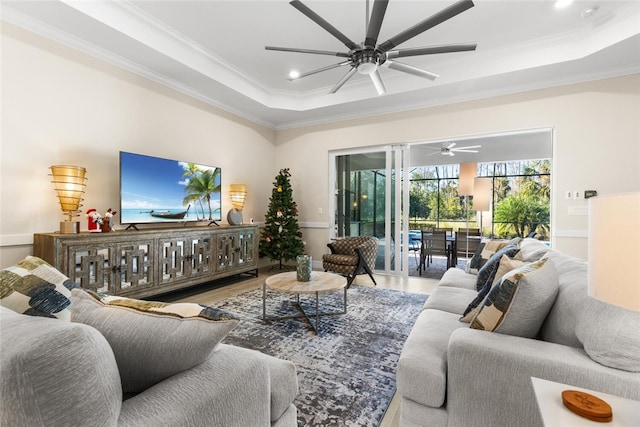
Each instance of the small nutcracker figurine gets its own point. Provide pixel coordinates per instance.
(106, 221)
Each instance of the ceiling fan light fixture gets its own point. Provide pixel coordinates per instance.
(367, 68)
(294, 74)
(367, 61)
(589, 12)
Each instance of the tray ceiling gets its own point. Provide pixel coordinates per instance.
(214, 50)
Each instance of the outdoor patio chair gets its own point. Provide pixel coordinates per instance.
(448, 230)
(413, 244)
(434, 243)
(471, 231)
(465, 248)
(351, 256)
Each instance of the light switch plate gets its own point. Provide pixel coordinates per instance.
(578, 210)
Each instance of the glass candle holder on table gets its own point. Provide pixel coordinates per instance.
(304, 267)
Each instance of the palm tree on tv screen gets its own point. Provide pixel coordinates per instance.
(201, 185)
(190, 172)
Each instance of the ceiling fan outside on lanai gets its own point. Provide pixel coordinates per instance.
(368, 57)
(450, 150)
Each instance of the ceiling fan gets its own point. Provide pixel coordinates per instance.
(450, 150)
(368, 57)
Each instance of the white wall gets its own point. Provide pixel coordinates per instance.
(62, 107)
(596, 146)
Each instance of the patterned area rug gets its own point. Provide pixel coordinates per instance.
(346, 375)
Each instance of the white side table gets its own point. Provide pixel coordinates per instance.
(626, 412)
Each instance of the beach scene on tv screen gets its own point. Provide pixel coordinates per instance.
(153, 189)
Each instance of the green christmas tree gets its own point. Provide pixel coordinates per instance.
(281, 238)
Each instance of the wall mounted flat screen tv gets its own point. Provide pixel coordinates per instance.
(157, 190)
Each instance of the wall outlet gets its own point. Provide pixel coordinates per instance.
(568, 195)
(576, 195)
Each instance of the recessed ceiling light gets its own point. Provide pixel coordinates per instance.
(589, 12)
(561, 4)
(294, 74)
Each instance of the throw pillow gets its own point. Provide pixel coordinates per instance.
(506, 265)
(55, 373)
(488, 271)
(520, 302)
(34, 287)
(611, 335)
(515, 241)
(152, 340)
(490, 248)
(476, 260)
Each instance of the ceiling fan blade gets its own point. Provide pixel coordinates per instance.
(313, 51)
(377, 82)
(468, 147)
(377, 15)
(319, 70)
(438, 18)
(343, 80)
(410, 69)
(324, 24)
(432, 50)
(460, 150)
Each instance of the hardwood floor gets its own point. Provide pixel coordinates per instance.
(231, 287)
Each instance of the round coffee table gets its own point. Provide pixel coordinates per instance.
(321, 282)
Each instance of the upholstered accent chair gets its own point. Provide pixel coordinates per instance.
(352, 256)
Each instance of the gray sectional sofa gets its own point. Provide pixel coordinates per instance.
(60, 373)
(450, 374)
(69, 357)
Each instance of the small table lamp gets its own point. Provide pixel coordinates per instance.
(614, 246)
(238, 193)
(69, 185)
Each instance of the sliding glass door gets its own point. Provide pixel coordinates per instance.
(368, 194)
